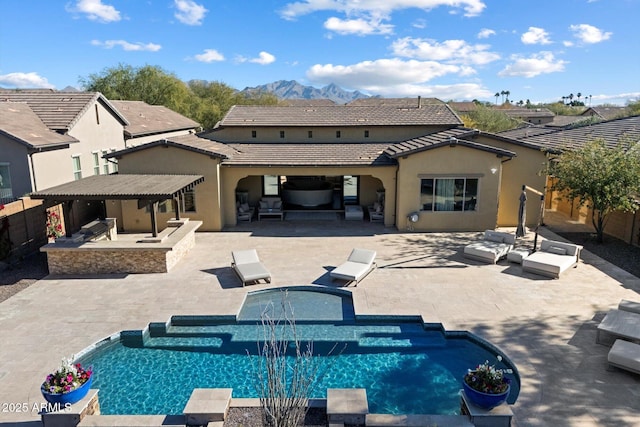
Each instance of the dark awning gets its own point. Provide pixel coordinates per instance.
(146, 189)
(121, 187)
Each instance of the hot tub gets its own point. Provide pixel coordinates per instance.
(307, 193)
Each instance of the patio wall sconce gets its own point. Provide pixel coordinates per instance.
(494, 170)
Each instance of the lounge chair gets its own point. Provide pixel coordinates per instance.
(625, 355)
(494, 246)
(360, 263)
(248, 267)
(552, 259)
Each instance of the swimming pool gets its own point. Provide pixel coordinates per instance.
(406, 366)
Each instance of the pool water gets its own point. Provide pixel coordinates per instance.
(406, 368)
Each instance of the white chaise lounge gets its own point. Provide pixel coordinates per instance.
(248, 267)
(493, 246)
(552, 259)
(360, 263)
(625, 355)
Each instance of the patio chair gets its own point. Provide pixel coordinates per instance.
(248, 267)
(494, 246)
(552, 259)
(360, 263)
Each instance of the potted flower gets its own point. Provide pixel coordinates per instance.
(69, 384)
(486, 386)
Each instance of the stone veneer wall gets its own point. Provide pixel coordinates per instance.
(100, 261)
(100, 258)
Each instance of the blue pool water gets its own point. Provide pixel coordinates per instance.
(407, 368)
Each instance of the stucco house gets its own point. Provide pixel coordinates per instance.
(407, 158)
(50, 137)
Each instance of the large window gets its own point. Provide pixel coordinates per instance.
(188, 201)
(448, 194)
(105, 163)
(77, 167)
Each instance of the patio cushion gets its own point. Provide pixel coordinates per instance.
(358, 265)
(248, 267)
(625, 355)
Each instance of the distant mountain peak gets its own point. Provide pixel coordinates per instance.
(291, 89)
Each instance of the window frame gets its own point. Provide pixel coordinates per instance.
(76, 166)
(468, 198)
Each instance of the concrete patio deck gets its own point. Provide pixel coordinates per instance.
(547, 327)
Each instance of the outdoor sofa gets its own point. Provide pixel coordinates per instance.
(493, 246)
(270, 206)
(248, 267)
(552, 259)
(360, 263)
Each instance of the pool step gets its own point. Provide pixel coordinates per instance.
(132, 420)
(403, 341)
(180, 343)
(384, 420)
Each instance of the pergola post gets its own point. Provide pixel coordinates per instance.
(68, 220)
(154, 219)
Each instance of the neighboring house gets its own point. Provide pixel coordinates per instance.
(606, 113)
(623, 225)
(86, 126)
(27, 145)
(465, 107)
(536, 116)
(408, 156)
(148, 123)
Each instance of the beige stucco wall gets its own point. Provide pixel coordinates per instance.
(249, 179)
(458, 161)
(524, 169)
(172, 160)
(323, 134)
(156, 137)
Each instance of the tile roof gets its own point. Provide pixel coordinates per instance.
(524, 132)
(306, 154)
(20, 123)
(188, 142)
(145, 119)
(611, 132)
(606, 113)
(463, 107)
(58, 110)
(526, 112)
(458, 136)
(306, 102)
(121, 187)
(393, 102)
(339, 115)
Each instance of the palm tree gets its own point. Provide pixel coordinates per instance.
(578, 95)
(506, 92)
(570, 99)
(564, 98)
(497, 95)
(502, 92)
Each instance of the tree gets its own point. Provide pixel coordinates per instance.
(497, 95)
(603, 178)
(507, 93)
(634, 107)
(488, 119)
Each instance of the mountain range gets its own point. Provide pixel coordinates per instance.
(291, 89)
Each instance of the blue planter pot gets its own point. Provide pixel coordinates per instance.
(62, 399)
(485, 400)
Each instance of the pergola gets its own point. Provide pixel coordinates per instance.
(148, 190)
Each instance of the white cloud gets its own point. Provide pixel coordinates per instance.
(189, 12)
(540, 63)
(359, 26)
(264, 58)
(455, 51)
(377, 7)
(381, 73)
(567, 43)
(535, 35)
(485, 33)
(589, 34)
(96, 10)
(454, 91)
(25, 80)
(209, 55)
(127, 46)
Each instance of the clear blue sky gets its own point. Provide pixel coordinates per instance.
(450, 49)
